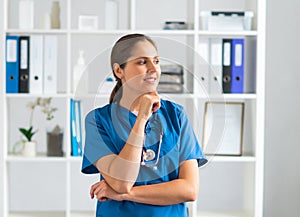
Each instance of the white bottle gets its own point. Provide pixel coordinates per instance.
(107, 86)
(26, 14)
(47, 21)
(80, 75)
(111, 14)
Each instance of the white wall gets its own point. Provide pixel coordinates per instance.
(1, 112)
(282, 150)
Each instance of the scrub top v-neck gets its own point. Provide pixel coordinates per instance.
(107, 130)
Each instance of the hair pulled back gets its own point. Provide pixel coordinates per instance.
(121, 52)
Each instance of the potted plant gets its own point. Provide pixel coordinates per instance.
(29, 146)
(54, 136)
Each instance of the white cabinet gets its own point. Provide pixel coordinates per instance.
(54, 186)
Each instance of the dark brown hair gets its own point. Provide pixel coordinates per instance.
(121, 52)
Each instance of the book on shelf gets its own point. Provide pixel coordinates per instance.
(75, 127)
(12, 64)
(36, 64)
(237, 65)
(24, 64)
(31, 64)
(50, 64)
(215, 72)
(202, 74)
(171, 79)
(226, 65)
(223, 65)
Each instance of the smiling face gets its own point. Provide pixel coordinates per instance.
(142, 71)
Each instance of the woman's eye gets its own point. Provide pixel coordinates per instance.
(156, 61)
(142, 62)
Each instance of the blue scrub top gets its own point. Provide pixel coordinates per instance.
(107, 130)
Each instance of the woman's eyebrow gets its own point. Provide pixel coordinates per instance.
(146, 57)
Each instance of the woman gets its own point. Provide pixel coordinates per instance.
(144, 147)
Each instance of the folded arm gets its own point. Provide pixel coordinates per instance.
(183, 189)
(120, 171)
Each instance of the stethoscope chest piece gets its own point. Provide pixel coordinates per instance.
(148, 155)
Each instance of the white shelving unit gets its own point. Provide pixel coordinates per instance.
(230, 186)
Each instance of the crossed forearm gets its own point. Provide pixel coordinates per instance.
(183, 189)
(121, 171)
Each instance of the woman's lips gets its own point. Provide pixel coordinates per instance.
(150, 79)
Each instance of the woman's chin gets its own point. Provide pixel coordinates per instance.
(149, 88)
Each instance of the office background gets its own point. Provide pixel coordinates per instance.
(282, 146)
(282, 140)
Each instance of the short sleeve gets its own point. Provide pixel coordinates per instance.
(97, 142)
(189, 145)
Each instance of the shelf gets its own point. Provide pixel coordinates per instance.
(231, 158)
(82, 214)
(125, 31)
(224, 214)
(227, 33)
(34, 214)
(240, 96)
(166, 95)
(26, 95)
(51, 214)
(36, 31)
(74, 159)
(245, 181)
(42, 158)
(167, 32)
(38, 158)
(224, 97)
(177, 95)
(102, 32)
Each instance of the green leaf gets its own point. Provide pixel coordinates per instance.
(27, 133)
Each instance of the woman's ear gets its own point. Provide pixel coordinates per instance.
(118, 70)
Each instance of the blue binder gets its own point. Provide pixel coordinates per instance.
(75, 126)
(78, 126)
(12, 64)
(237, 82)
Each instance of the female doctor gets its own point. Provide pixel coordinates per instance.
(143, 147)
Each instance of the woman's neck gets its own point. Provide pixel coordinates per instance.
(130, 100)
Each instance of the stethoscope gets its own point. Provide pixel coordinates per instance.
(149, 154)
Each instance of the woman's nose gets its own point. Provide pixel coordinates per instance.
(152, 67)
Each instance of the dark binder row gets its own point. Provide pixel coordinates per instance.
(17, 64)
(233, 65)
(31, 64)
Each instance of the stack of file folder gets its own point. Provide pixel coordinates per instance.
(227, 65)
(31, 64)
(171, 80)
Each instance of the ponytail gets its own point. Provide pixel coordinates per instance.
(116, 93)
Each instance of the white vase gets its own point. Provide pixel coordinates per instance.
(47, 21)
(29, 149)
(55, 15)
(26, 14)
(111, 14)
